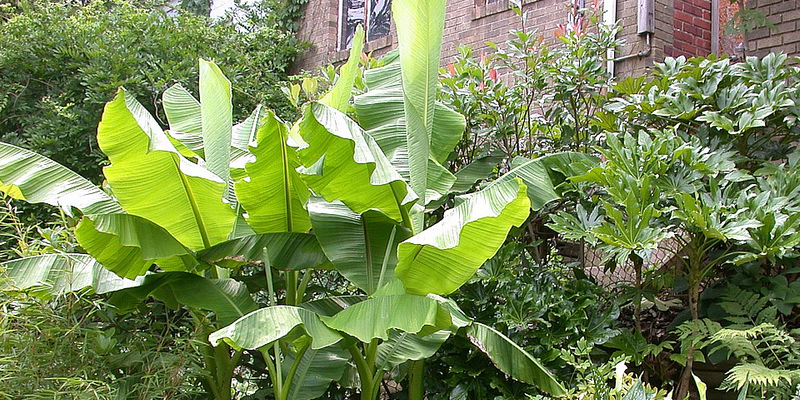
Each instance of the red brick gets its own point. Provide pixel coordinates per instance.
(684, 17)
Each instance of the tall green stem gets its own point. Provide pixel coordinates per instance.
(277, 379)
(416, 380)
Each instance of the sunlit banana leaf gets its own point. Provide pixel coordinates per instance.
(266, 325)
(420, 42)
(62, 273)
(25, 175)
(358, 245)
(443, 257)
(183, 115)
(152, 180)
(381, 112)
(342, 162)
(227, 298)
(286, 251)
(512, 359)
(339, 95)
(375, 318)
(274, 195)
(216, 111)
(129, 245)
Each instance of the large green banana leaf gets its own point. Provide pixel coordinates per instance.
(129, 245)
(274, 195)
(330, 306)
(152, 180)
(376, 317)
(28, 176)
(339, 95)
(285, 251)
(404, 346)
(342, 162)
(362, 247)
(63, 273)
(512, 359)
(183, 115)
(543, 174)
(381, 113)
(227, 298)
(420, 45)
(266, 325)
(477, 170)
(186, 123)
(315, 371)
(443, 257)
(216, 112)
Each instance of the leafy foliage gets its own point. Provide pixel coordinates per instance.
(62, 62)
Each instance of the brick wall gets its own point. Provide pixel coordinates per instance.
(691, 23)
(785, 14)
(473, 23)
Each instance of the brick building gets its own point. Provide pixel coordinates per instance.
(652, 29)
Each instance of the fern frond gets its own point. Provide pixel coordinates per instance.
(758, 375)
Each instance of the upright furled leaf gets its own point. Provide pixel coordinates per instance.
(339, 95)
(266, 325)
(28, 176)
(362, 247)
(512, 359)
(129, 245)
(227, 298)
(443, 257)
(216, 111)
(62, 273)
(381, 112)
(273, 193)
(152, 180)
(420, 42)
(342, 162)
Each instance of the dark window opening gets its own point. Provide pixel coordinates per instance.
(374, 15)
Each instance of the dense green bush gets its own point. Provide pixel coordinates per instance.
(61, 62)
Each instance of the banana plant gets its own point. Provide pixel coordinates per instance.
(189, 206)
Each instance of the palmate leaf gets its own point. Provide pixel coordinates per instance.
(227, 298)
(358, 245)
(273, 194)
(152, 180)
(286, 251)
(316, 370)
(512, 359)
(342, 162)
(376, 317)
(266, 325)
(128, 245)
(443, 257)
(63, 273)
(25, 175)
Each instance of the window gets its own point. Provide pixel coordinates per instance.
(375, 15)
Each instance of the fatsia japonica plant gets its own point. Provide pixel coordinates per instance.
(191, 212)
